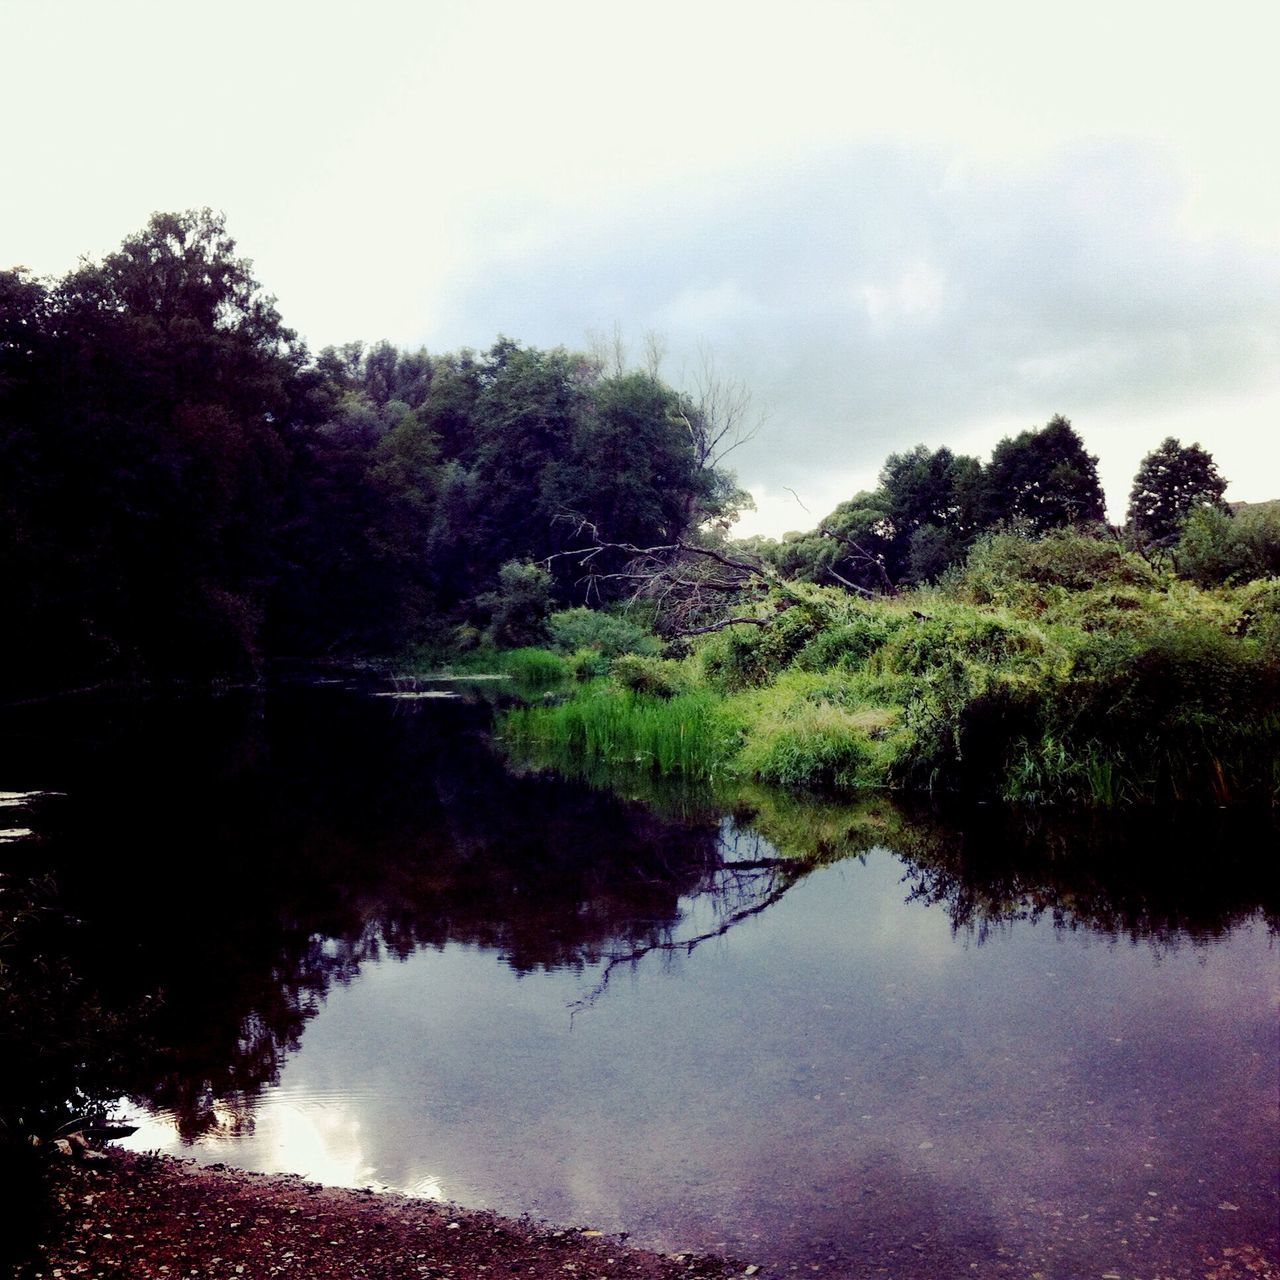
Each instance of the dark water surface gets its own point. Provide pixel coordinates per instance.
(334, 936)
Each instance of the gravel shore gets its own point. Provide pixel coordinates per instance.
(138, 1217)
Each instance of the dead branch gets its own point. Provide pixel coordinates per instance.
(721, 625)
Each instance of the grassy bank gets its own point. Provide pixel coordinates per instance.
(1064, 670)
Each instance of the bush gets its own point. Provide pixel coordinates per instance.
(588, 664)
(1217, 547)
(960, 634)
(658, 677)
(849, 644)
(607, 633)
(517, 609)
(820, 746)
(1258, 615)
(1007, 568)
(745, 656)
(813, 730)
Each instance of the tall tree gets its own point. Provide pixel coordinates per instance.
(1043, 478)
(1172, 482)
(932, 499)
(164, 375)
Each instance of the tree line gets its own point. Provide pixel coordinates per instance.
(185, 490)
(931, 506)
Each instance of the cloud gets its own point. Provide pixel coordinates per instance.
(876, 296)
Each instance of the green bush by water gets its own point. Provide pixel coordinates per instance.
(1063, 670)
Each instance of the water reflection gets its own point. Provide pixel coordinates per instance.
(333, 934)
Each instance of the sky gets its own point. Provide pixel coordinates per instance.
(894, 223)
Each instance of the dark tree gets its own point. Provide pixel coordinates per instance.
(1043, 479)
(144, 460)
(932, 500)
(1172, 482)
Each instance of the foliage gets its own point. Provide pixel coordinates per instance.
(1054, 669)
(742, 656)
(532, 666)
(815, 731)
(142, 460)
(518, 607)
(657, 677)
(606, 633)
(686, 734)
(183, 494)
(1172, 481)
(1029, 572)
(1043, 477)
(1219, 547)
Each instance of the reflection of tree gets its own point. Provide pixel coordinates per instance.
(279, 846)
(1159, 879)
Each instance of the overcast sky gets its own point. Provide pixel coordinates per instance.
(897, 222)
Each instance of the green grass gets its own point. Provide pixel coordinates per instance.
(686, 734)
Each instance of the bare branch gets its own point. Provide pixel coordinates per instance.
(796, 496)
(722, 624)
(853, 586)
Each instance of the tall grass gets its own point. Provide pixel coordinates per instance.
(687, 734)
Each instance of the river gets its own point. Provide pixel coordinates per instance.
(345, 940)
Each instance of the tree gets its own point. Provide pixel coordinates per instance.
(1172, 482)
(932, 502)
(147, 459)
(1217, 545)
(519, 606)
(1044, 479)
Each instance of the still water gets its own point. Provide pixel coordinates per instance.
(843, 1040)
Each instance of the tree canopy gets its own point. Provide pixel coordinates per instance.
(1172, 482)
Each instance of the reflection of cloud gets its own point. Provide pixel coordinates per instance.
(319, 1141)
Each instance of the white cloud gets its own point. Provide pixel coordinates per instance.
(897, 222)
(916, 295)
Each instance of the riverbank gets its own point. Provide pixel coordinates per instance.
(156, 1218)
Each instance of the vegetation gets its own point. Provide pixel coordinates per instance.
(185, 492)
(1053, 669)
(188, 493)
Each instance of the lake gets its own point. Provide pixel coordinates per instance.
(336, 935)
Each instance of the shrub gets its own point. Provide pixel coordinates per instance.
(819, 745)
(607, 633)
(658, 677)
(517, 609)
(850, 644)
(1217, 547)
(588, 664)
(1007, 568)
(744, 656)
(960, 634)
(813, 730)
(1258, 616)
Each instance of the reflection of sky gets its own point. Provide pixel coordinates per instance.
(838, 1055)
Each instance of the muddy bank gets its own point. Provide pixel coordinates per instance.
(155, 1218)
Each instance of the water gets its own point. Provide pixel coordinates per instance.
(944, 1047)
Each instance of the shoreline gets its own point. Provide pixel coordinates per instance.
(155, 1217)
